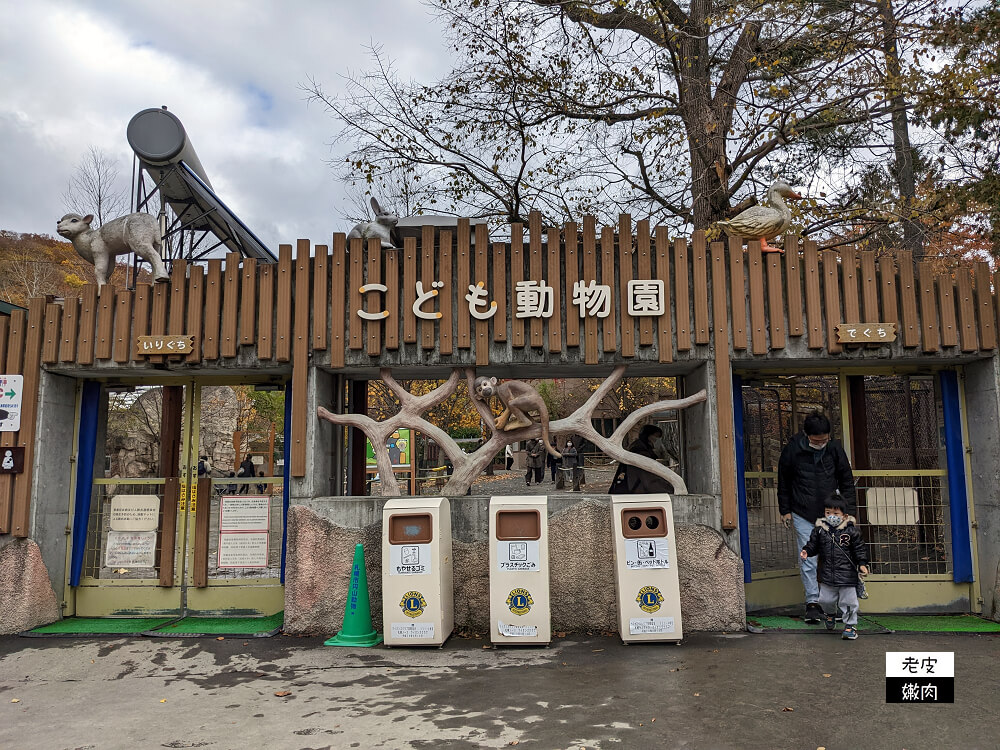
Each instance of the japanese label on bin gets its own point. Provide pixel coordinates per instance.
(643, 554)
(920, 677)
(521, 556)
(412, 629)
(409, 559)
(517, 631)
(650, 625)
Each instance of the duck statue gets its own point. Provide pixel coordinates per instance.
(764, 222)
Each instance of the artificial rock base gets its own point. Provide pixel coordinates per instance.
(320, 555)
(26, 597)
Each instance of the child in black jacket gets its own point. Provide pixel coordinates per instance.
(842, 556)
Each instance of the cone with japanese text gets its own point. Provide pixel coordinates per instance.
(357, 629)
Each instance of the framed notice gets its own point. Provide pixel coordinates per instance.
(242, 550)
(244, 530)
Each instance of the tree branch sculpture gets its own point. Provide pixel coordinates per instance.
(467, 467)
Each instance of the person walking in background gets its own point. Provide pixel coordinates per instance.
(553, 463)
(508, 456)
(571, 465)
(649, 444)
(812, 467)
(536, 463)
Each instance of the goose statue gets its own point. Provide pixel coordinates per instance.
(764, 222)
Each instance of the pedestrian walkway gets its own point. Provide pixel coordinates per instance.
(714, 692)
(513, 483)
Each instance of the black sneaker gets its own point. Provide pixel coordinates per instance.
(814, 613)
(830, 622)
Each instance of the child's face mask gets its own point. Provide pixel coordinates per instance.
(833, 519)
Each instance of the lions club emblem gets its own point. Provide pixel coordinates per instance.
(649, 598)
(520, 601)
(413, 604)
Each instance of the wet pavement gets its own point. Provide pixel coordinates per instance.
(713, 692)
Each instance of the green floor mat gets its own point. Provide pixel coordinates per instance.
(782, 623)
(937, 623)
(99, 626)
(235, 626)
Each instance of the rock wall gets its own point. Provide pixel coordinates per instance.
(320, 554)
(26, 596)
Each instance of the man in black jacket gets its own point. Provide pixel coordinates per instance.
(842, 559)
(812, 467)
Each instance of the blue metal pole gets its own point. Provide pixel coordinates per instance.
(86, 451)
(958, 498)
(741, 483)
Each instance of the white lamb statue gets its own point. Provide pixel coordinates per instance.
(136, 233)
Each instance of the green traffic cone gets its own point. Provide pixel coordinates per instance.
(357, 628)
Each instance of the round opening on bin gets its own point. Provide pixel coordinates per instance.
(652, 522)
(634, 523)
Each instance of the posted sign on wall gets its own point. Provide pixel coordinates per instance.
(244, 530)
(11, 388)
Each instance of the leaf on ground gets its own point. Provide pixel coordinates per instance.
(827, 675)
(486, 645)
(788, 708)
(514, 742)
(597, 650)
(15, 700)
(698, 694)
(163, 700)
(561, 634)
(282, 693)
(222, 638)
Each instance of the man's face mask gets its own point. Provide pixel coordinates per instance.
(818, 442)
(659, 448)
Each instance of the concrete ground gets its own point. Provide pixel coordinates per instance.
(512, 483)
(714, 692)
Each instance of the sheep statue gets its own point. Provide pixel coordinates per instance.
(136, 233)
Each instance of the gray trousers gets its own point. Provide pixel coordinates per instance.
(844, 598)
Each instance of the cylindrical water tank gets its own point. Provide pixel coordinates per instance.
(158, 139)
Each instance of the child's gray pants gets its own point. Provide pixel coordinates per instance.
(843, 597)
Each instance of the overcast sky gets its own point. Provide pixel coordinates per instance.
(72, 75)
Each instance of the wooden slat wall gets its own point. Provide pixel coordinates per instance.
(213, 309)
(248, 302)
(168, 528)
(338, 310)
(738, 294)
(793, 281)
(609, 325)
(572, 271)
(590, 354)
(373, 276)
(682, 287)
(984, 307)
(552, 279)
(724, 391)
(271, 307)
(644, 270)
(699, 268)
(283, 314)
(966, 311)
(814, 315)
(775, 301)
(910, 327)
(499, 282)
(320, 300)
(928, 309)
(946, 302)
(664, 330)
(831, 298)
(300, 354)
(758, 317)
(626, 321)
(463, 255)
(482, 274)
(392, 322)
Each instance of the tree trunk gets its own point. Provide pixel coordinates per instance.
(913, 232)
